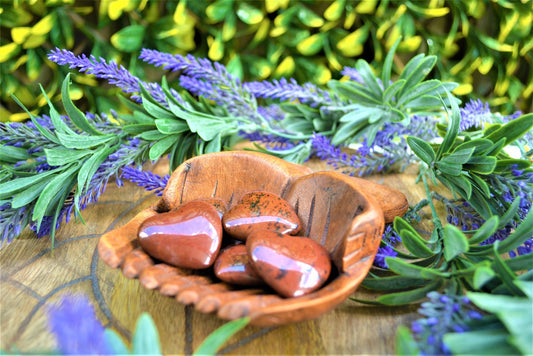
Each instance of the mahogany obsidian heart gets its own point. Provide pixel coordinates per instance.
(292, 265)
(234, 266)
(260, 211)
(188, 237)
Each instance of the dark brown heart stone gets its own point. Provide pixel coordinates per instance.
(260, 211)
(234, 266)
(292, 265)
(188, 237)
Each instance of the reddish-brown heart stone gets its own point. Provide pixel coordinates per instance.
(188, 237)
(234, 266)
(292, 265)
(260, 211)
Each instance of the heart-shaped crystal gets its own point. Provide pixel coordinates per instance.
(235, 267)
(188, 237)
(292, 265)
(260, 211)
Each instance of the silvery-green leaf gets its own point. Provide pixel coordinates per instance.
(455, 242)
(422, 149)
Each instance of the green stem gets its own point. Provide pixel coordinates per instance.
(435, 216)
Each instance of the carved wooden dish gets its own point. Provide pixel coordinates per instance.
(346, 215)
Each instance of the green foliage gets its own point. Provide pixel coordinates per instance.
(506, 330)
(450, 258)
(217, 338)
(479, 41)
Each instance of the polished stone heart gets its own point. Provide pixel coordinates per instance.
(292, 265)
(235, 267)
(260, 211)
(188, 237)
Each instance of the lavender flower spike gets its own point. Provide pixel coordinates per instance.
(115, 74)
(225, 88)
(76, 328)
(146, 179)
(284, 89)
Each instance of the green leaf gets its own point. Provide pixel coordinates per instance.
(485, 231)
(216, 339)
(135, 129)
(480, 184)
(114, 341)
(392, 90)
(346, 132)
(513, 129)
(145, 340)
(153, 135)
(448, 168)
(355, 92)
(63, 156)
(171, 126)
(75, 115)
(414, 72)
(129, 39)
(50, 191)
(481, 164)
(455, 242)
(458, 156)
(161, 147)
(413, 271)
(393, 283)
(511, 213)
(369, 78)
(453, 127)
(422, 149)
(154, 108)
(11, 187)
(507, 164)
(401, 298)
(12, 154)
(405, 343)
(90, 166)
(425, 88)
(519, 263)
(28, 195)
(521, 234)
(482, 275)
(482, 342)
(387, 65)
(83, 142)
(414, 244)
(480, 145)
(505, 273)
(214, 145)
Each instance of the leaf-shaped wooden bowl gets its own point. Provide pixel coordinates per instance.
(346, 215)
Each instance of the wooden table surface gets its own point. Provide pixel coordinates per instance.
(33, 277)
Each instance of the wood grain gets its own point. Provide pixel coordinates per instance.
(32, 277)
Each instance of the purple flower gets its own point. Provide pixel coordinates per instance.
(443, 314)
(271, 141)
(353, 74)
(204, 77)
(284, 89)
(146, 179)
(115, 74)
(76, 328)
(384, 252)
(475, 114)
(12, 221)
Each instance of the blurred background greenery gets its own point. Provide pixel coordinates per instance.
(485, 45)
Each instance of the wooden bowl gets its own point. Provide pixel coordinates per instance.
(344, 214)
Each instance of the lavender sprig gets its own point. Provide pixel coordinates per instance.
(207, 78)
(76, 329)
(115, 74)
(146, 179)
(288, 90)
(443, 314)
